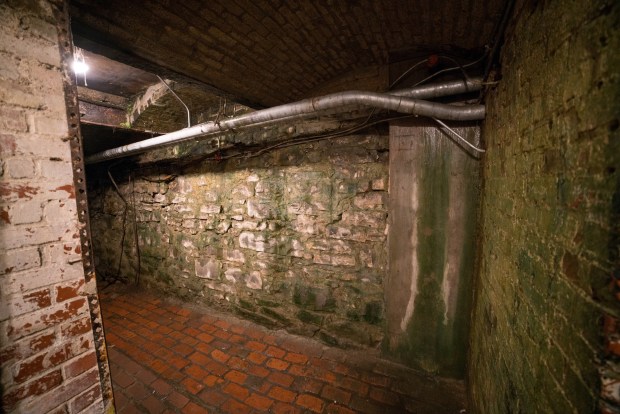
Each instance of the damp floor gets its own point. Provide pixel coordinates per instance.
(167, 356)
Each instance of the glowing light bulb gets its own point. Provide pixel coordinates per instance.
(79, 66)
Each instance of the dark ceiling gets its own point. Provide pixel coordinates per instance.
(265, 53)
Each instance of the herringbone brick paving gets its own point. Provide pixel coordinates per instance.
(169, 357)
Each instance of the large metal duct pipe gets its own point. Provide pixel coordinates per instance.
(398, 101)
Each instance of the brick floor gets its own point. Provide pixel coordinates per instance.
(170, 357)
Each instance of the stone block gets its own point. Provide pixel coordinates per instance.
(255, 241)
(210, 209)
(254, 280)
(305, 224)
(234, 255)
(322, 258)
(341, 260)
(20, 168)
(318, 299)
(373, 219)
(207, 268)
(378, 184)
(233, 274)
(259, 210)
(242, 191)
(223, 227)
(369, 201)
(245, 225)
(373, 312)
(309, 317)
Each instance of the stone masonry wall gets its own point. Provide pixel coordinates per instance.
(294, 238)
(545, 324)
(47, 351)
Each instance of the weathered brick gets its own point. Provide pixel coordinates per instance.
(20, 168)
(19, 304)
(69, 290)
(55, 167)
(281, 394)
(310, 402)
(25, 212)
(34, 366)
(259, 402)
(277, 364)
(236, 376)
(34, 124)
(80, 365)
(236, 391)
(13, 120)
(18, 260)
(67, 390)
(543, 169)
(59, 211)
(35, 387)
(85, 399)
(32, 322)
(40, 277)
(20, 237)
(50, 126)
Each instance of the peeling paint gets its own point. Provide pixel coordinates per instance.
(22, 191)
(68, 188)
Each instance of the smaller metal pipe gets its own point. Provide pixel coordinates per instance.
(189, 119)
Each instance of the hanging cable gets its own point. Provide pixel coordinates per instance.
(135, 229)
(432, 63)
(457, 135)
(407, 72)
(189, 119)
(451, 69)
(124, 222)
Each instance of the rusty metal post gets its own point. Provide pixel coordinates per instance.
(61, 11)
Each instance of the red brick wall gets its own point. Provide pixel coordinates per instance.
(47, 349)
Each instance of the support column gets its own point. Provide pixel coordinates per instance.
(432, 215)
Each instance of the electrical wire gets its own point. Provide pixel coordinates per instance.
(456, 134)
(451, 69)
(135, 230)
(458, 66)
(314, 138)
(124, 222)
(407, 72)
(189, 119)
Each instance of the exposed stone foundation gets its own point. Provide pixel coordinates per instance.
(294, 238)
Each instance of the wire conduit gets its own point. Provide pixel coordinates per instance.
(403, 101)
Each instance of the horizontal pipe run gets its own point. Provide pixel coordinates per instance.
(438, 90)
(397, 101)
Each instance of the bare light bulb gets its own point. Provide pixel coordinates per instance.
(79, 67)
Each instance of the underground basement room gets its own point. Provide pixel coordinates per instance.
(333, 206)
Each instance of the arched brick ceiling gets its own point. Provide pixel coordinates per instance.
(273, 52)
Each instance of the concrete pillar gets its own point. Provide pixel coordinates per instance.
(433, 196)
